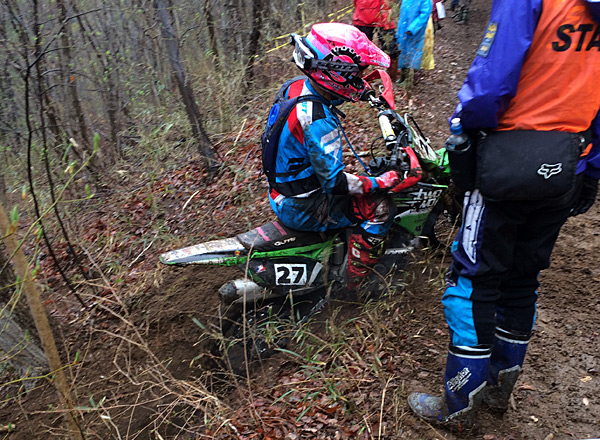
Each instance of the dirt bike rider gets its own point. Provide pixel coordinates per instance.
(309, 189)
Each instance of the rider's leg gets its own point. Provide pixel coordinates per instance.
(375, 214)
(364, 251)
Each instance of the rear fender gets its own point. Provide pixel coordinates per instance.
(226, 252)
(231, 252)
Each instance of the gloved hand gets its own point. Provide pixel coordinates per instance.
(389, 179)
(587, 196)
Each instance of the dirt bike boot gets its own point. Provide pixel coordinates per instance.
(364, 251)
(465, 380)
(508, 354)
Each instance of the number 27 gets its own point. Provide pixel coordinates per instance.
(290, 274)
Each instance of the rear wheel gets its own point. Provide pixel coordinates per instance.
(266, 327)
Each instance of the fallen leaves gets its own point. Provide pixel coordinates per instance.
(528, 387)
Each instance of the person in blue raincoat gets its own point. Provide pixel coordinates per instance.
(414, 16)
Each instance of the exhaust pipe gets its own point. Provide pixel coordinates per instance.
(235, 289)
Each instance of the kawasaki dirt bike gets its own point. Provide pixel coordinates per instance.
(290, 275)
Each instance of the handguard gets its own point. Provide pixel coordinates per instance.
(387, 91)
(414, 174)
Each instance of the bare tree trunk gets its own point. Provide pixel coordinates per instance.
(2, 197)
(257, 16)
(19, 340)
(41, 322)
(210, 26)
(80, 129)
(18, 345)
(108, 77)
(172, 45)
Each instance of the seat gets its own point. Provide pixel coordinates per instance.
(275, 235)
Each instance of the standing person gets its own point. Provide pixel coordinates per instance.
(535, 75)
(308, 187)
(435, 14)
(375, 16)
(412, 24)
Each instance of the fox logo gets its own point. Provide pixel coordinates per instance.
(547, 170)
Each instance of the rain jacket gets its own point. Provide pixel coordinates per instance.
(414, 15)
(538, 68)
(374, 13)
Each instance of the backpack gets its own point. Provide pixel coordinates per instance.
(278, 116)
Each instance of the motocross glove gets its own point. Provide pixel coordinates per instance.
(587, 196)
(389, 179)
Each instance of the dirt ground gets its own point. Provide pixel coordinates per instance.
(557, 395)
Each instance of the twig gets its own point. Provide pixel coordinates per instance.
(144, 250)
(381, 407)
(189, 200)
(240, 132)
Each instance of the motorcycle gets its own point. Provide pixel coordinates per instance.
(290, 275)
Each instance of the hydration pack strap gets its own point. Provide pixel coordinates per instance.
(351, 147)
(296, 187)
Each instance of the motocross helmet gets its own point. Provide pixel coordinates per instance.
(334, 55)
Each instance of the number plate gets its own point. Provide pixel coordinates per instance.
(290, 274)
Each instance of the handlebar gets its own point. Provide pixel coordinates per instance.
(409, 149)
(398, 138)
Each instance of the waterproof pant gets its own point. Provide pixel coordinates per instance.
(497, 256)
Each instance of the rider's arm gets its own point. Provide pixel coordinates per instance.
(493, 77)
(323, 142)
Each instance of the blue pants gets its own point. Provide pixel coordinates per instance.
(497, 256)
(373, 212)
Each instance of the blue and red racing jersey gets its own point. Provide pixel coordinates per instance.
(309, 162)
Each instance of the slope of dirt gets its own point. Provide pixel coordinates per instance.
(145, 373)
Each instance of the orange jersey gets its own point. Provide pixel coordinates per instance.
(559, 83)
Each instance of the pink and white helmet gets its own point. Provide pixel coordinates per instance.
(334, 55)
